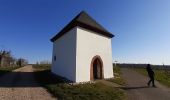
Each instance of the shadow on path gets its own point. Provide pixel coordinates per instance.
(29, 79)
(21, 84)
(137, 87)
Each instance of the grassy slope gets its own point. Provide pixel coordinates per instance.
(58, 88)
(117, 76)
(97, 91)
(160, 75)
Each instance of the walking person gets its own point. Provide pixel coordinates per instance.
(151, 75)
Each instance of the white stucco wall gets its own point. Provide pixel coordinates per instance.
(90, 44)
(74, 52)
(64, 49)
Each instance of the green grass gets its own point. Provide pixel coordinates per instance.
(160, 75)
(117, 76)
(4, 70)
(63, 91)
(40, 67)
(97, 91)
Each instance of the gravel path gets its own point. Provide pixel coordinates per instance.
(21, 85)
(137, 88)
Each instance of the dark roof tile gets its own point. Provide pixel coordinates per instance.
(85, 21)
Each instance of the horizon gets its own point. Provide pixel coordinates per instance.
(141, 28)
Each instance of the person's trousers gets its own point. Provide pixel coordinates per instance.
(151, 80)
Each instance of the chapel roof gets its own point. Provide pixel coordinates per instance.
(85, 21)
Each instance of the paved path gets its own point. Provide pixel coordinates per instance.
(137, 88)
(21, 85)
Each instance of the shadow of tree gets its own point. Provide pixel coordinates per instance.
(2, 72)
(29, 79)
(46, 77)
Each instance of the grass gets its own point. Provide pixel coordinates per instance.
(96, 91)
(4, 70)
(160, 75)
(117, 76)
(60, 89)
(41, 67)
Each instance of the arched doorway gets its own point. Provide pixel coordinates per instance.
(96, 68)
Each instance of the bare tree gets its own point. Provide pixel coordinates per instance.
(22, 62)
(5, 58)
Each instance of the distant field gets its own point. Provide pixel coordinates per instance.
(57, 86)
(161, 67)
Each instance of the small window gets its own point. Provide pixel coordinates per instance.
(55, 58)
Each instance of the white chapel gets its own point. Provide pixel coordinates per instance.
(82, 50)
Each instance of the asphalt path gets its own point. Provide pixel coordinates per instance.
(137, 88)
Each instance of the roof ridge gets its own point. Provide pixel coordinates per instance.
(86, 21)
(93, 20)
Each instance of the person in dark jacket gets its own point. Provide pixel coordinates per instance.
(151, 75)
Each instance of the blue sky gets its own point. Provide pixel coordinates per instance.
(141, 27)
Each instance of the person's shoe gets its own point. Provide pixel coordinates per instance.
(154, 86)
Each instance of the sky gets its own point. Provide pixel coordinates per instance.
(141, 27)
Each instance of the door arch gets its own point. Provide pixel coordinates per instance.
(96, 68)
